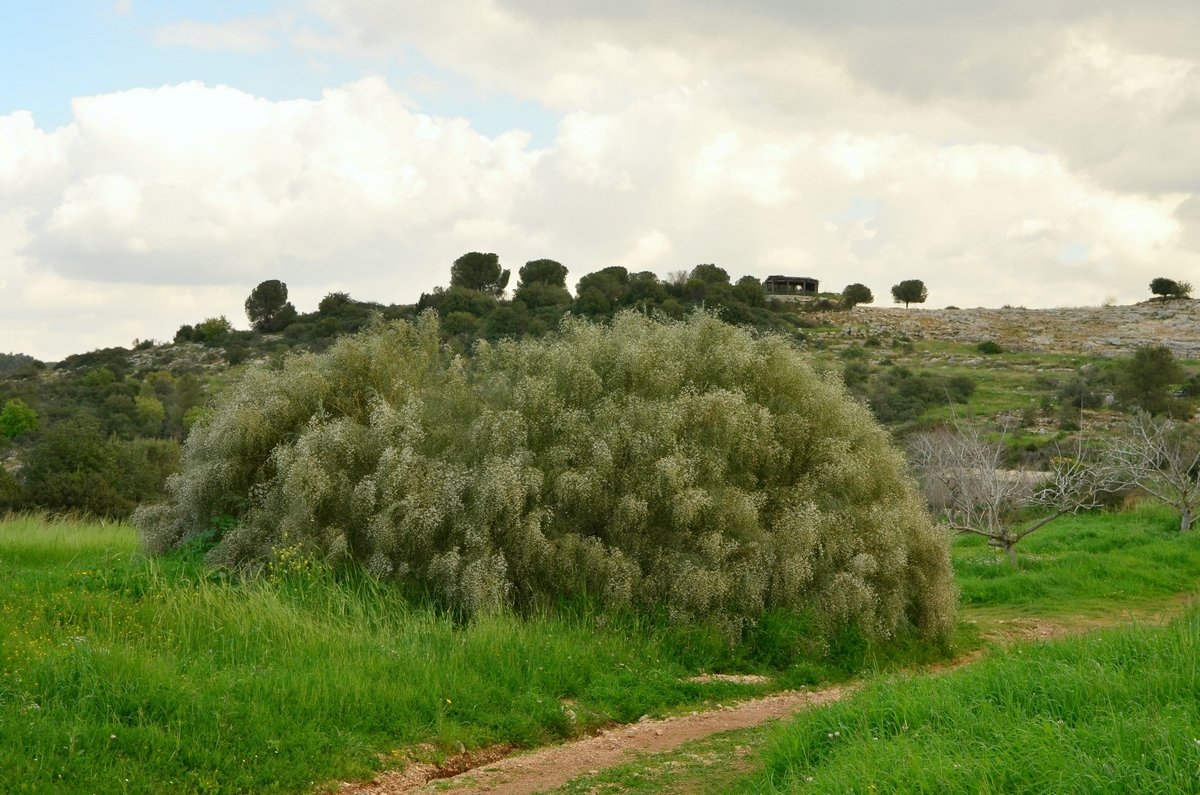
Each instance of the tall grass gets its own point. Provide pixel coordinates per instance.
(125, 674)
(1109, 712)
(1084, 563)
(1114, 711)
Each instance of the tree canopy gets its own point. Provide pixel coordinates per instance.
(267, 306)
(856, 294)
(542, 283)
(479, 271)
(1169, 288)
(1144, 380)
(910, 291)
(542, 271)
(16, 418)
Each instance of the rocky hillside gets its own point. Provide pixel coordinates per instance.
(1104, 331)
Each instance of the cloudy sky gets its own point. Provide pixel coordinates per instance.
(157, 161)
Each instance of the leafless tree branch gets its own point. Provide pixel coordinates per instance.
(1162, 457)
(963, 476)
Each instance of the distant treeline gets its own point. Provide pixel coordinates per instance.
(100, 432)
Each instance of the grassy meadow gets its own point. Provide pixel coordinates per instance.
(1112, 710)
(120, 673)
(1115, 710)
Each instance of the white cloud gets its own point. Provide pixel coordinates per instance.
(1011, 154)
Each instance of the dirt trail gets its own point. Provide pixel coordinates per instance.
(493, 771)
(551, 767)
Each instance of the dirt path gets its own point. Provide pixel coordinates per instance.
(554, 766)
(494, 771)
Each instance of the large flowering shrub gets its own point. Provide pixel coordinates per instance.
(688, 466)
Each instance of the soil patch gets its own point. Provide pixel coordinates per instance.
(551, 767)
(736, 679)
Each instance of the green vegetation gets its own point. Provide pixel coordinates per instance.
(1169, 288)
(989, 348)
(1144, 381)
(686, 467)
(16, 418)
(480, 272)
(856, 294)
(1072, 715)
(267, 307)
(122, 673)
(1113, 711)
(1088, 563)
(910, 291)
(154, 392)
(114, 666)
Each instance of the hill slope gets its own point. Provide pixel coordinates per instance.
(1102, 330)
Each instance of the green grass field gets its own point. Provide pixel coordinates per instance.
(1113, 710)
(1088, 563)
(122, 674)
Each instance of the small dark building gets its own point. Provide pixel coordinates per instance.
(790, 285)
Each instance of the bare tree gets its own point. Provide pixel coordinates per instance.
(965, 481)
(1161, 456)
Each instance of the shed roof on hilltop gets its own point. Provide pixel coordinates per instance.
(790, 284)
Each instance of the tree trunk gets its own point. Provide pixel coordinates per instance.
(1010, 549)
(1185, 519)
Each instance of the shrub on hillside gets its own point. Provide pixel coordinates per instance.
(688, 467)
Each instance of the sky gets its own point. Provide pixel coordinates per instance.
(160, 159)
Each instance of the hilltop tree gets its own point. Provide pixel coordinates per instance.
(598, 292)
(542, 271)
(267, 307)
(542, 282)
(709, 274)
(211, 331)
(479, 271)
(910, 291)
(1169, 288)
(856, 294)
(749, 290)
(334, 302)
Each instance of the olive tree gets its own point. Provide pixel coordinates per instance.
(856, 294)
(1169, 288)
(909, 291)
(690, 468)
(1162, 457)
(966, 482)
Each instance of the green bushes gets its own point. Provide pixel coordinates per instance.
(687, 467)
(989, 348)
(75, 468)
